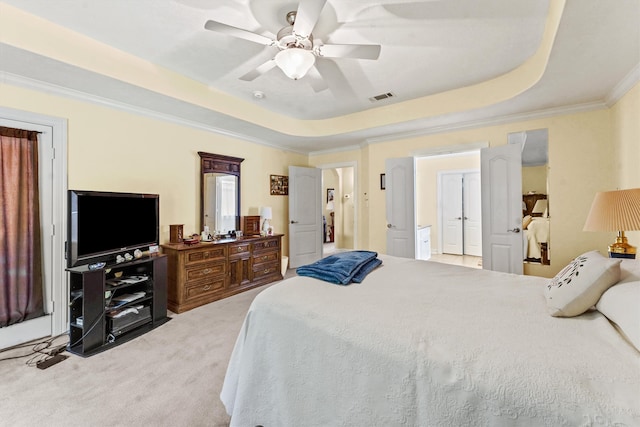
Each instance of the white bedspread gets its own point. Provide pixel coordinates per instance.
(425, 344)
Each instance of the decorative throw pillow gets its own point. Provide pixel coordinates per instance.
(620, 303)
(580, 284)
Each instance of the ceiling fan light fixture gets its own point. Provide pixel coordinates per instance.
(295, 62)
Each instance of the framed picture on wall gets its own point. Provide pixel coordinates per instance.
(279, 185)
(330, 194)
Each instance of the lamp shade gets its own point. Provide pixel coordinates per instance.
(540, 207)
(265, 212)
(615, 211)
(295, 62)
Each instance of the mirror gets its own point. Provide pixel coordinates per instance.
(219, 192)
(535, 194)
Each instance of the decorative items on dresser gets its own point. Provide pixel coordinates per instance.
(250, 225)
(205, 272)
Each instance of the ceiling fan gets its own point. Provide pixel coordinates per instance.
(298, 52)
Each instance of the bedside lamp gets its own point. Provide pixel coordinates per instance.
(616, 211)
(540, 208)
(265, 213)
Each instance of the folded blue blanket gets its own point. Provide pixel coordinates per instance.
(342, 268)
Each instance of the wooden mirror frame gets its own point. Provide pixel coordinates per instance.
(217, 163)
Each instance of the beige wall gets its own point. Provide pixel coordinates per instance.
(534, 178)
(625, 123)
(111, 150)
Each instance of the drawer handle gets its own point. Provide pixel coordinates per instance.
(207, 271)
(266, 271)
(265, 257)
(206, 288)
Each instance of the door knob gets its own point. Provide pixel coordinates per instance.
(389, 225)
(515, 230)
(459, 218)
(294, 222)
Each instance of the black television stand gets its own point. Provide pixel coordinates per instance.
(113, 305)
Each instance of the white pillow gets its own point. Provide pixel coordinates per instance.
(621, 302)
(580, 284)
(629, 270)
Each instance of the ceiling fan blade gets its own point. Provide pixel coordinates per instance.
(219, 27)
(357, 51)
(258, 71)
(307, 16)
(315, 80)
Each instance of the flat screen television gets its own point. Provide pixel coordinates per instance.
(102, 225)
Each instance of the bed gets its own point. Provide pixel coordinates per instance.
(419, 343)
(536, 232)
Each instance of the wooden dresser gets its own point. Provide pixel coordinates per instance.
(205, 272)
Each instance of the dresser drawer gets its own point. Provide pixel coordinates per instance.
(265, 257)
(203, 288)
(200, 255)
(236, 249)
(202, 271)
(266, 269)
(267, 244)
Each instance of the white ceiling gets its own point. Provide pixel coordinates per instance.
(428, 47)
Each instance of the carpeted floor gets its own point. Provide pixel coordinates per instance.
(171, 376)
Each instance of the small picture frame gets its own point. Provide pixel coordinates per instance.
(330, 194)
(383, 181)
(279, 185)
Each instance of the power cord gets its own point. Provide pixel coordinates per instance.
(41, 351)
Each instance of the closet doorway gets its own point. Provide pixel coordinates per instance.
(460, 212)
(339, 207)
(431, 166)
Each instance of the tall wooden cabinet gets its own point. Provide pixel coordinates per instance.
(208, 271)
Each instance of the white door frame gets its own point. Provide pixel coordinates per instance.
(353, 165)
(55, 264)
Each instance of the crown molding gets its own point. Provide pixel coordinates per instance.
(27, 83)
(624, 86)
(616, 94)
(492, 121)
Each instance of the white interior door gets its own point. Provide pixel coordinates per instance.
(400, 207)
(305, 215)
(501, 183)
(472, 216)
(451, 197)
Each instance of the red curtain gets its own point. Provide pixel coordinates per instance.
(21, 281)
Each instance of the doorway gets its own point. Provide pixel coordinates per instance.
(53, 186)
(339, 209)
(431, 201)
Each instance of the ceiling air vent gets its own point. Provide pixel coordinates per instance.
(381, 97)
